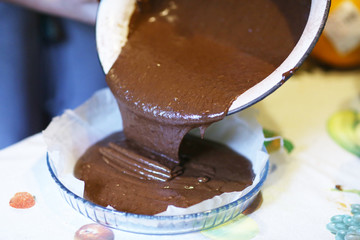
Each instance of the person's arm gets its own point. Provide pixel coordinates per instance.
(81, 10)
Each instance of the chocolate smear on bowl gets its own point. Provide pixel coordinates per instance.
(183, 65)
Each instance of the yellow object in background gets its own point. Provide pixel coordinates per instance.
(339, 44)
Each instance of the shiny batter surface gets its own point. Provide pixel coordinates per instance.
(183, 65)
(134, 184)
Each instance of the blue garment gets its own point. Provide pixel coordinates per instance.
(40, 79)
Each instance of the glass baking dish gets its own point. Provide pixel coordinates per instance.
(157, 224)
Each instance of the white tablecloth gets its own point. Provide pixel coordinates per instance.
(298, 196)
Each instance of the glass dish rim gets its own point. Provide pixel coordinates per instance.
(235, 203)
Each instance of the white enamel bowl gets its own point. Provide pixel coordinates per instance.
(112, 30)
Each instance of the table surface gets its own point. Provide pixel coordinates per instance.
(298, 197)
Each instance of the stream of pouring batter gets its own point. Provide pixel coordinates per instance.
(185, 62)
(182, 67)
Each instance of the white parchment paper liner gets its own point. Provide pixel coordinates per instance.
(69, 135)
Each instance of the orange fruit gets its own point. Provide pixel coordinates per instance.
(347, 14)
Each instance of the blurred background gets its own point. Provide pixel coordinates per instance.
(49, 64)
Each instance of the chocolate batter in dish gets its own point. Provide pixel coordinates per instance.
(183, 65)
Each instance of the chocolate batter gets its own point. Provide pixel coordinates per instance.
(139, 184)
(183, 65)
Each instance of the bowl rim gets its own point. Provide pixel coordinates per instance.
(313, 28)
(255, 189)
(290, 73)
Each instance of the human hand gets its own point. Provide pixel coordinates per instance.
(81, 10)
